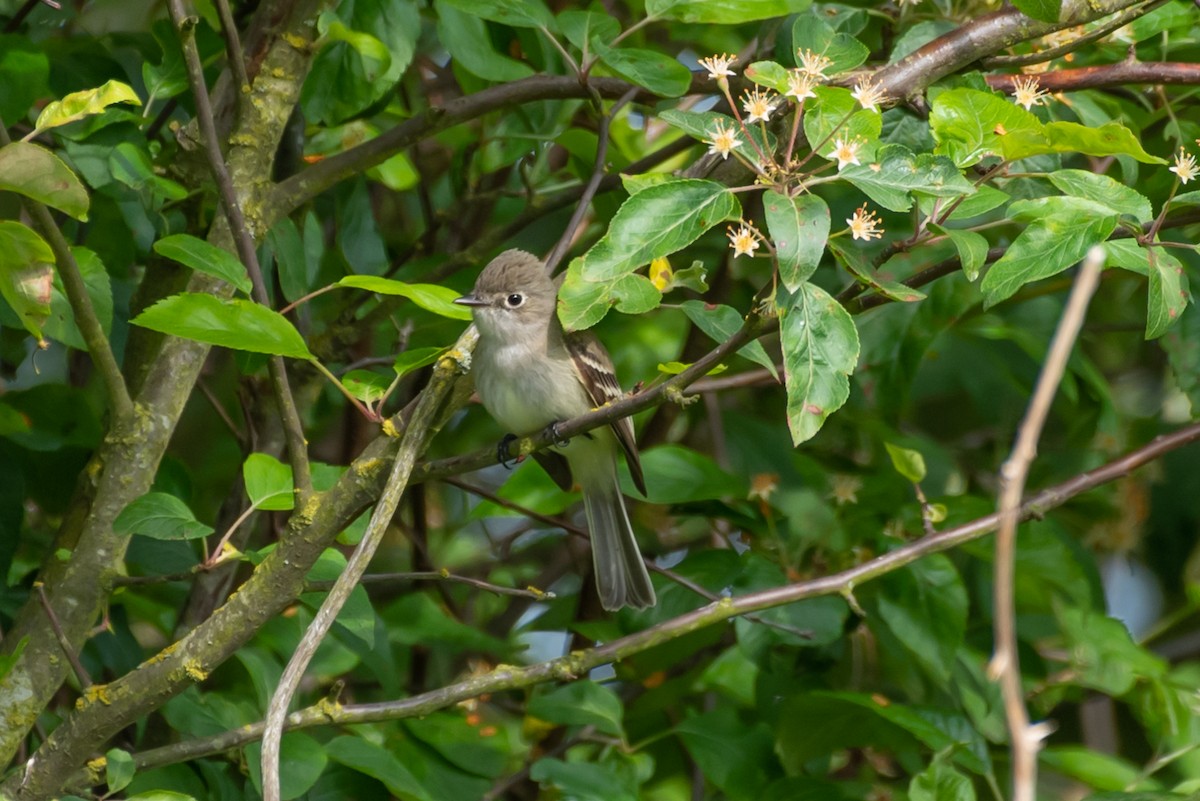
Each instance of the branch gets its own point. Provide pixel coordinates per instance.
(81, 305)
(299, 189)
(1042, 56)
(1005, 666)
(577, 664)
(1107, 75)
(422, 427)
(292, 428)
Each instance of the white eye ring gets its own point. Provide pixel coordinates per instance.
(514, 300)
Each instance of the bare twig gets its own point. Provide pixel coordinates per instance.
(436, 575)
(1005, 665)
(81, 673)
(1123, 73)
(422, 426)
(233, 46)
(293, 430)
(589, 192)
(512, 678)
(1042, 56)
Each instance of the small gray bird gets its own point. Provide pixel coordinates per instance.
(529, 374)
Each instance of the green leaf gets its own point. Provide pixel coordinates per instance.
(1168, 295)
(1097, 770)
(984, 200)
(35, 172)
(831, 116)
(820, 351)
(365, 385)
(1102, 189)
(702, 125)
(26, 69)
(972, 248)
(583, 27)
(720, 323)
(1103, 653)
(26, 274)
(810, 32)
(723, 12)
(301, 761)
(234, 323)
(856, 263)
(268, 482)
(581, 781)
(514, 13)
(895, 173)
(581, 703)
(466, 38)
(430, 297)
(940, 782)
(78, 105)
(735, 756)
(1044, 10)
(160, 795)
(130, 165)
(968, 125)
(415, 359)
(908, 463)
(675, 474)
(204, 258)
(658, 221)
(1182, 345)
(356, 619)
(799, 227)
(160, 516)
(925, 606)
(1110, 139)
(768, 74)
(118, 769)
(1060, 234)
(655, 71)
(61, 325)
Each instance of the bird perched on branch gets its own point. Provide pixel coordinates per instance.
(531, 375)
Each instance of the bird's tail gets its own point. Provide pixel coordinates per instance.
(621, 576)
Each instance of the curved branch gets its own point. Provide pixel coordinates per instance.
(1107, 75)
(577, 664)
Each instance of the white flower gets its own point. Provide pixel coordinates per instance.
(800, 85)
(724, 140)
(758, 105)
(865, 224)
(1185, 166)
(718, 66)
(846, 152)
(744, 240)
(1028, 93)
(868, 94)
(813, 64)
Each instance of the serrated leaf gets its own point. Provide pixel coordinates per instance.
(720, 323)
(702, 125)
(799, 227)
(1167, 296)
(831, 116)
(430, 297)
(856, 263)
(1110, 139)
(514, 13)
(968, 125)
(78, 105)
(1060, 234)
(269, 484)
(1102, 189)
(820, 351)
(896, 172)
(234, 323)
(160, 516)
(35, 172)
(723, 12)
(972, 248)
(204, 258)
(26, 274)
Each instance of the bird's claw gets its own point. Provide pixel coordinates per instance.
(502, 454)
(557, 436)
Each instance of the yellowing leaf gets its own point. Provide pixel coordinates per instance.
(78, 105)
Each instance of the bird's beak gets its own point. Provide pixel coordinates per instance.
(469, 300)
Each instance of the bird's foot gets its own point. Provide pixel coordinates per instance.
(557, 436)
(502, 454)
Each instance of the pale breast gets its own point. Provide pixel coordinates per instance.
(524, 391)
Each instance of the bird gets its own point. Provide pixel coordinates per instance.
(531, 375)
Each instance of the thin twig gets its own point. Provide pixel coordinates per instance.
(292, 428)
(1123, 73)
(422, 426)
(1042, 56)
(233, 47)
(589, 192)
(436, 575)
(81, 673)
(512, 678)
(1005, 665)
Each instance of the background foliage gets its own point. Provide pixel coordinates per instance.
(171, 514)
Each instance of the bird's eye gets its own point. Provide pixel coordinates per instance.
(514, 300)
